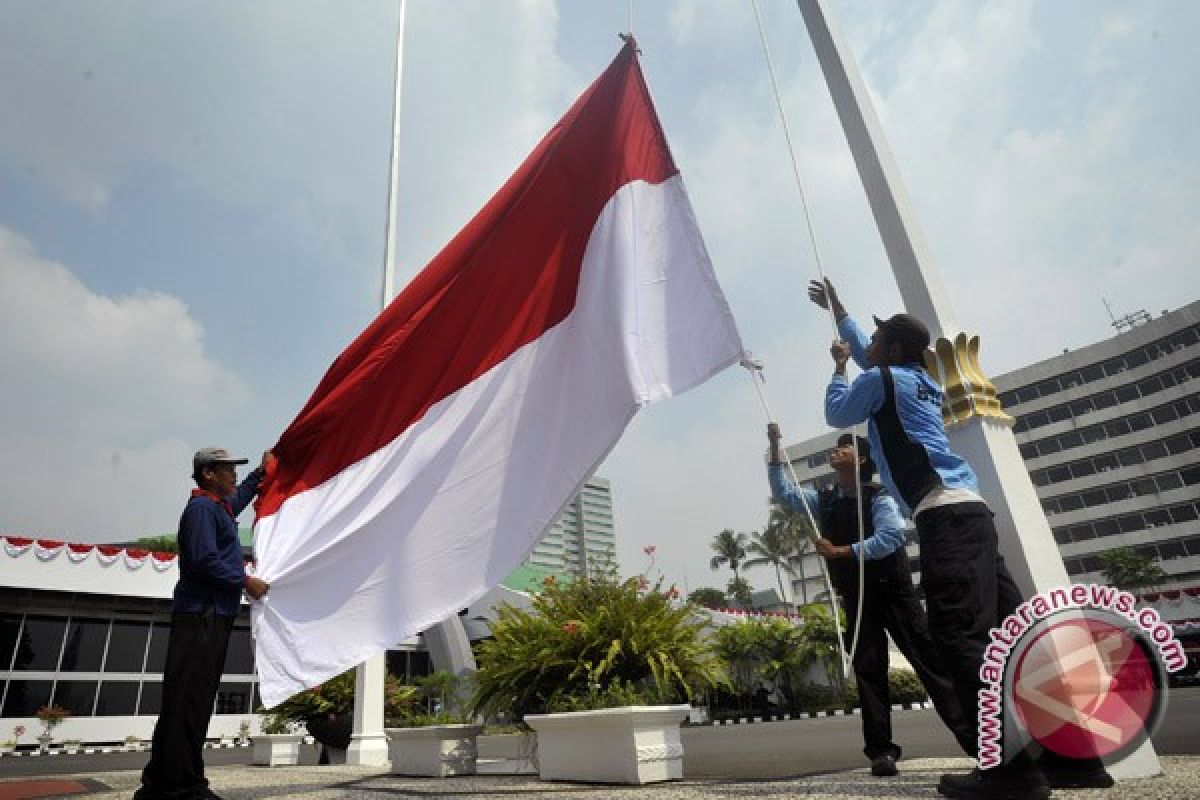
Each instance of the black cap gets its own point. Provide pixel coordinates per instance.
(907, 331)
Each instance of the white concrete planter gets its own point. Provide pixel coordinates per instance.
(436, 751)
(633, 744)
(276, 749)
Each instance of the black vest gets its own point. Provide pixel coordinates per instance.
(839, 524)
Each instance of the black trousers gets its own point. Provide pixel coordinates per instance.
(968, 591)
(195, 658)
(894, 608)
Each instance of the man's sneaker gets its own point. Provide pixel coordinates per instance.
(883, 766)
(995, 784)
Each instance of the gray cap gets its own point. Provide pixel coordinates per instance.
(207, 456)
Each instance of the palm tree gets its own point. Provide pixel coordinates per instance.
(797, 530)
(730, 548)
(740, 593)
(773, 546)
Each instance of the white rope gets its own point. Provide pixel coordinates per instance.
(847, 658)
(757, 377)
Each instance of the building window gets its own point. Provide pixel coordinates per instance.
(1183, 513)
(1127, 394)
(126, 646)
(233, 698)
(41, 644)
(1170, 550)
(10, 627)
(239, 658)
(78, 697)
(24, 698)
(151, 698)
(1156, 517)
(1130, 523)
(1071, 502)
(1081, 469)
(117, 699)
(156, 656)
(1081, 533)
(1140, 422)
(84, 650)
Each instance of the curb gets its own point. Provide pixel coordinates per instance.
(810, 715)
(87, 751)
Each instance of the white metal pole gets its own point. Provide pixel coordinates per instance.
(368, 742)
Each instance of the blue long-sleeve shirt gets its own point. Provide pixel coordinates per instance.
(915, 418)
(211, 568)
(887, 524)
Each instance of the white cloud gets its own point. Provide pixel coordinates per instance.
(99, 391)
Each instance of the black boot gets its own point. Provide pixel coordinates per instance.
(998, 783)
(883, 766)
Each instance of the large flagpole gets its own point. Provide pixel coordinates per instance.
(368, 742)
(976, 424)
(447, 642)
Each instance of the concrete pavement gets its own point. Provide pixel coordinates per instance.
(918, 779)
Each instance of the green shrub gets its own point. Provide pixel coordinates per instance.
(336, 697)
(905, 687)
(595, 640)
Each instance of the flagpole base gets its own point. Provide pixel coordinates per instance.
(368, 750)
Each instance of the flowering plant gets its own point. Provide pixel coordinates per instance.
(52, 716)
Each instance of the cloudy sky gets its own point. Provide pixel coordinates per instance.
(192, 212)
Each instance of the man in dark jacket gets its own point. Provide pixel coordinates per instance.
(212, 578)
(889, 600)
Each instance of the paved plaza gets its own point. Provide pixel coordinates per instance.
(918, 779)
(816, 758)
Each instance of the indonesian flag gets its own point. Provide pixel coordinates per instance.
(447, 437)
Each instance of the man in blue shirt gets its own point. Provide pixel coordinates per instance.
(889, 601)
(212, 578)
(967, 587)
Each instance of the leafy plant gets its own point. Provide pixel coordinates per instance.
(335, 697)
(1130, 568)
(158, 544)
(273, 724)
(439, 690)
(905, 687)
(708, 597)
(593, 640)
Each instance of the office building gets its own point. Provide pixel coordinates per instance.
(581, 536)
(1110, 434)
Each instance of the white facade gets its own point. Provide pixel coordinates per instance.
(85, 627)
